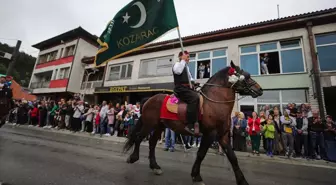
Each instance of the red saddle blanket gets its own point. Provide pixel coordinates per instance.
(174, 109)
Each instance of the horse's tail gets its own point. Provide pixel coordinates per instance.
(133, 135)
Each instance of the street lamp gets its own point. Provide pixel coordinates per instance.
(94, 70)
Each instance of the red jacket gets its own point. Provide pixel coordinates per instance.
(97, 119)
(256, 126)
(34, 112)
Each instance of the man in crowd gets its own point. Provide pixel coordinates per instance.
(316, 129)
(301, 137)
(103, 117)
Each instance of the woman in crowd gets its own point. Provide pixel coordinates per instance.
(88, 119)
(34, 114)
(110, 119)
(269, 131)
(63, 109)
(330, 139)
(278, 145)
(68, 115)
(254, 132)
(43, 112)
(58, 119)
(52, 111)
(239, 133)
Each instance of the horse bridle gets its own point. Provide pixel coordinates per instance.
(221, 86)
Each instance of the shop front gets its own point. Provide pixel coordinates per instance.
(131, 93)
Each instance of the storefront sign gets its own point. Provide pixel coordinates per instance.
(136, 88)
(118, 89)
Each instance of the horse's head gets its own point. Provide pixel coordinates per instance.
(243, 83)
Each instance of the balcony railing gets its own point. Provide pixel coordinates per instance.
(91, 84)
(38, 85)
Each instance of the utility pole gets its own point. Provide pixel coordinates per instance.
(14, 58)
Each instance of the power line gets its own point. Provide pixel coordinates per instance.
(8, 39)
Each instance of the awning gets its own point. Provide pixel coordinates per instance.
(164, 87)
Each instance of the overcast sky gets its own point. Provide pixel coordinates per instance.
(33, 21)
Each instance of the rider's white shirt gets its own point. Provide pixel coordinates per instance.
(179, 66)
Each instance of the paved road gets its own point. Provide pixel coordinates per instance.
(30, 157)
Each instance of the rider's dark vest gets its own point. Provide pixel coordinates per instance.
(181, 79)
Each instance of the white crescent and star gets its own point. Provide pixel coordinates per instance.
(143, 16)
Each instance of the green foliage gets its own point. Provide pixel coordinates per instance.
(23, 68)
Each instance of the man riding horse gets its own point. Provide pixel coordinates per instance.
(184, 89)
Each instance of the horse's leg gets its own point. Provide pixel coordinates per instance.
(136, 136)
(225, 143)
(202, 151)
(152, 144)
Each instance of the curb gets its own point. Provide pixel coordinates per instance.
(240, 155)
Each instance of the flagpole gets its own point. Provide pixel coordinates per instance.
(181, 43)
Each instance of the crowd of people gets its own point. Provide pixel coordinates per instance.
(298, 132)
(76, 116)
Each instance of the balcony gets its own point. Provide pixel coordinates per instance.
(39, 85)
(89, 87)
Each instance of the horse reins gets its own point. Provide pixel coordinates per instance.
(215, 101)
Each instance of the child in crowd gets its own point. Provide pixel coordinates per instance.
(127, 122)
(9, 81)
(269, 130)
(96, 119)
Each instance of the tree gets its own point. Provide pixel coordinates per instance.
(3, 69)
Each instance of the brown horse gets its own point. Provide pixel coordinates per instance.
(219, 98)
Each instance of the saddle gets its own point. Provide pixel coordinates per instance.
(175, 105)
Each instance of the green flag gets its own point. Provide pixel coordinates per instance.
(137, 24)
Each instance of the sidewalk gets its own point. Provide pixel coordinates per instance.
(180, 148)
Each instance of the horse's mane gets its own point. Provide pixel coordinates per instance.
(219, 78)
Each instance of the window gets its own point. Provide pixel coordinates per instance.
(269, 97)
(61, 54)
(55, 75)
(275, 98)
(273, 57)
(48, 57)
(156, 67)
(69, 51)
(204, 64)
(52, 56)
(296, 96)
(250, 63)
(326, 49)
(63, 73)
(43, 58)
(119, 72)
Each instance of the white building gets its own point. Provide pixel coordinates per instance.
(287, 41)
(58, 69)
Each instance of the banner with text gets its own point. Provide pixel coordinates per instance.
(137, 24)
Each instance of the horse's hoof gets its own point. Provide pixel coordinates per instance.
(131, 160)
(199, 183)
(157, 171)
